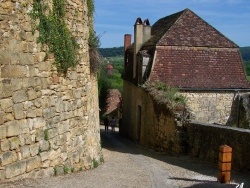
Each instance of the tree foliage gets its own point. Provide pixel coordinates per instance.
(245, 53)
(111, 52)
(106, 81)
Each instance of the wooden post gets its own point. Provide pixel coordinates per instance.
(225, 158)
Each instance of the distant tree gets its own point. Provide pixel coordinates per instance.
(111, 52)
(245, 53)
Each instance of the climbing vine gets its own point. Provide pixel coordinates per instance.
(54, 33)
(94, 40)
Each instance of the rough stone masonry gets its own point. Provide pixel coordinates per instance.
(48, 123)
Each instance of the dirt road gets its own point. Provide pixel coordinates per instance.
(128, 165)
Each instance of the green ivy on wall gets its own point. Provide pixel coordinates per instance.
(94, 40)
(54, 33)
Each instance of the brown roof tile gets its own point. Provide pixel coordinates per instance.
(113, 101)
(200, 68)
(190, 53)
(185, 28)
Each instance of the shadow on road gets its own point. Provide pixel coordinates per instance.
(115, 142)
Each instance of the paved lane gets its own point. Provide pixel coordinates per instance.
(128, 165)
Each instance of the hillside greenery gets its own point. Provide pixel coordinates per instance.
(106, 81)
(245, 54)
(111, 52)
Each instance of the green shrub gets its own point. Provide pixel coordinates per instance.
(54, 33)
(165, 94)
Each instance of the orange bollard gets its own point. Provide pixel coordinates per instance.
(225, 158)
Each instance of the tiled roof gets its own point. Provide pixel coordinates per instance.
(161, 27)
(113, 100)
(199, 56)
(199, 68)
(190, 53)
(185, 28)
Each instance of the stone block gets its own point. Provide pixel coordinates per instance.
(32, 94)
(5, 57)
(33, 163)
(8, 157)
(1, 117)
(3, 131)
(5, 145)
(14, 71)
(18, 111)
(34, 149)
(25, 151)
(44, 145)
(49, 112)
(15, 128)
(75, 157)
(27, 105)
(39, 112)
(52, 133)
(59, 105)
(63, 127)
(39, 57)
(6, 103)
(16, 84)
(32, 82)
(14, 142)
(31, 113)
(38, 103)
(15, 169)
(6, 86)
(39, 135)
(77, 93)
(20, 96)
(2, 174)
(61, 139)
(8, 117)
(36, 123)
(30, 138)
(44, 156)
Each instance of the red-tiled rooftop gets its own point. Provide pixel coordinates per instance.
(113, 100)
(190, 53)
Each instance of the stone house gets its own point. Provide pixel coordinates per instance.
(185, 52)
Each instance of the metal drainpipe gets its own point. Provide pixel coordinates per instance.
(238, 115)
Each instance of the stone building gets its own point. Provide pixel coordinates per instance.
(185, 52)
(49, 124)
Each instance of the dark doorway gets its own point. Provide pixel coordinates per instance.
(138, 131)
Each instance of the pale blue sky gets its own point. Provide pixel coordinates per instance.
(114, 18)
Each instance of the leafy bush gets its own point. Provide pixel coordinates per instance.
(165, 94)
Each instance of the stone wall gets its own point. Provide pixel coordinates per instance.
(149, 123)
(48, 123)
(205, 140)
(212, 107)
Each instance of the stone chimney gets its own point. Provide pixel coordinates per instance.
(138, 41)
(146, 31)
(127, 41)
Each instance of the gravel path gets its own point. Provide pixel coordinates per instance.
(128, 165)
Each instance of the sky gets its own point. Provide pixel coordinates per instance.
(114, 18)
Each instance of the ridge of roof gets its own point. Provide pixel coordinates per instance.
(157, 31)
(162, 33)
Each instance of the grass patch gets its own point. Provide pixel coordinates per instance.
(95, 163)
(163, 93)
(55, 171)
(65, 170)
